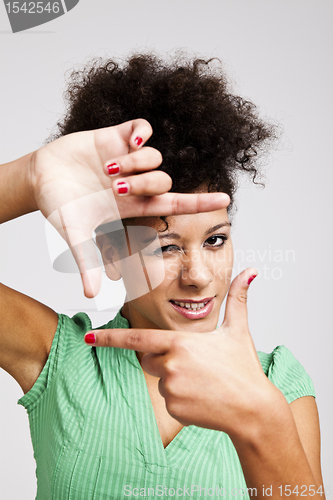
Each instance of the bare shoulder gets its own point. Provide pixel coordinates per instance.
(305, 413)
(27, 329)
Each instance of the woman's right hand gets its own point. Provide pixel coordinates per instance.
(72, 187)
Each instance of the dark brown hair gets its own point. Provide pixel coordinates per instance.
(206, 134)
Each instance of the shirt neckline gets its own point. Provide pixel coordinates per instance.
(144, 415)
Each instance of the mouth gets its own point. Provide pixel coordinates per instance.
(194, 309)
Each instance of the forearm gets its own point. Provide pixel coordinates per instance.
(15, 188)
(273, 459)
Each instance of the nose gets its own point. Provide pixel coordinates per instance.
(196, 270)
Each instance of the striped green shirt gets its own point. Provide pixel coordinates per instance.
(95, 435)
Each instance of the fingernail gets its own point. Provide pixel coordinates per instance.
(113, 168)
(90, 338)
(251, 279)
(122, 187)
(138, 141)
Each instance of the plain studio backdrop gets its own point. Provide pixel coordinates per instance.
(278, 53)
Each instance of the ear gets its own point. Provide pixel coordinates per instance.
(108, 252)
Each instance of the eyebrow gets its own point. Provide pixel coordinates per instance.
(218, 226)
(176, 236)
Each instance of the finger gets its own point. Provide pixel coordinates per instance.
(135, 132)
(177, 204)
(86, 259)
(85, 255)
(114, 141)
(147, 184)
(139, 161)
(150, 341)
(82, 247)
(90, 273)
(236, 305)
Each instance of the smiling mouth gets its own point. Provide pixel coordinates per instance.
(194, 309)
(191, 305)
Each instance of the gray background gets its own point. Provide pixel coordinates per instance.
(279, 54)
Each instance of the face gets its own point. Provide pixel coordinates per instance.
(197, 256)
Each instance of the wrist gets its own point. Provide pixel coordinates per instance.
(30, 180)
(268, 416)
(271, 451)
(16, 188)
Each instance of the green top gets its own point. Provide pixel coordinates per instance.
(95, 435)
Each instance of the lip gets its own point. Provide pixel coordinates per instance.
(194, 301)
(189, 314)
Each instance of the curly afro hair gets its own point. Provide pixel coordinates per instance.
(206, 134)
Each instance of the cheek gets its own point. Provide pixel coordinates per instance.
(223, 265)
(172, 267)
(142, 274)
(162, 271)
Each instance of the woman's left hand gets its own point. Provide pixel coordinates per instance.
(212, 380)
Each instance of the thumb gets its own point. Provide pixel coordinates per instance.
(84, 251)
(85, 255)
(236, 305)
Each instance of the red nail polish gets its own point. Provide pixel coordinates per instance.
(122, 187)
(138, 141)
(113, 168)
(251, 279)
(90, 338)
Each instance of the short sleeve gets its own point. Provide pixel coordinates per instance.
(68, 336)
(286, 373)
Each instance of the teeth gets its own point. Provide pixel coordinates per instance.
(191, 305)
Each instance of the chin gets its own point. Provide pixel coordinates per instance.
(196, 326)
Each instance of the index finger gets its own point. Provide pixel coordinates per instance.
(183, 203)
(136, 339)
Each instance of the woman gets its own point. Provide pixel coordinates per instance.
(167, 404)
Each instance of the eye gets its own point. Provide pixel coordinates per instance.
(169, 248)
(159, 251)
(218, 240)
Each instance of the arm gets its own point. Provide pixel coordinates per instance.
(277, 443)
(16, 193)
(306, 418)
(282, 451)
(27, 327)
